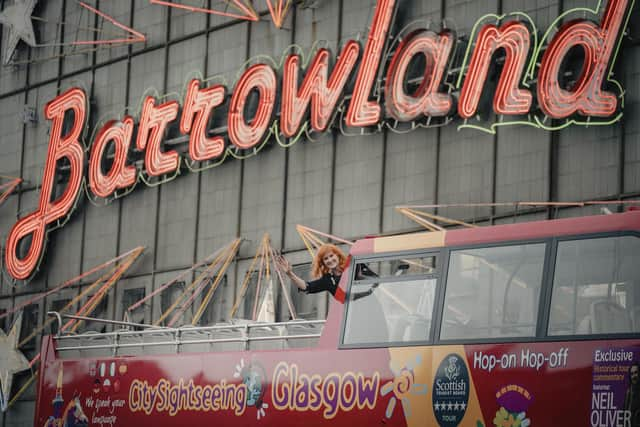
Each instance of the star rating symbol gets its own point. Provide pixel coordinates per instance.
(17, 18)
(455, 406)
(12, 360)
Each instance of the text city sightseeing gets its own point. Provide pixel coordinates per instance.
(310, 98)
(292, 390)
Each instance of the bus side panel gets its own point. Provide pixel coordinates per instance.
(586, 383)
(433, 386)
(270, 388)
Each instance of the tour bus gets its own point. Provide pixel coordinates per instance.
(526, 324)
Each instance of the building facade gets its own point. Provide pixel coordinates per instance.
(345, 181)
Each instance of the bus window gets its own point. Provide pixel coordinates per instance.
(595, 287)
(391, 301)
(493, 292)
(389, 268)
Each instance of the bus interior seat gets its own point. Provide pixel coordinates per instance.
(452, 330)
(157, 337)
(195, 339)
(635, 318)
(293, 330)
(418, 329)
(70, 341)
(93, 338)
(584, 327)
(269, 339)
(231, 339)
(608, 316)
(397, 329)
(132, 343)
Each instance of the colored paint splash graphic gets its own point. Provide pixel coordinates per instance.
(514, 400)
(403, 385)
(253, 376)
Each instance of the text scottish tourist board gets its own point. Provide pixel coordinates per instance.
(301, 98)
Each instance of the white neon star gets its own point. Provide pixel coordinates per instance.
(17, 18)
(12, 360)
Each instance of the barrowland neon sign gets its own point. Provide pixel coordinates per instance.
(310, 100)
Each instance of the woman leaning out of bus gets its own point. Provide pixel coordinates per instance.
(326, 270)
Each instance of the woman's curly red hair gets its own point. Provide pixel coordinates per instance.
(318, 268)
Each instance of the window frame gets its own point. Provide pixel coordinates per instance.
(122, 306)
(443, 291)
(441, 274)
(543, 325)
(437, 275)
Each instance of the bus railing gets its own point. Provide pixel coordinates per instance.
(185, 339)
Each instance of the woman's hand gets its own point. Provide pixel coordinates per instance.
(283, 264)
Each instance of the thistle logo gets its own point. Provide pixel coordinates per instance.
(453, 370)
(451, 391)
(514, 400)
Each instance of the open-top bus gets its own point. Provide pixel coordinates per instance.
(512, 325)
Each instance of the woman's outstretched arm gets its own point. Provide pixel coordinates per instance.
(285, 266)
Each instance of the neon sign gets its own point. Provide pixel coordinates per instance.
(253, 119)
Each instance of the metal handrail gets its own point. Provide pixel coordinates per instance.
(59, 317)
(209, 341)
(115, 337)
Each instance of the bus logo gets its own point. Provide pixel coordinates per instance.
(453, 370)
(451, 391)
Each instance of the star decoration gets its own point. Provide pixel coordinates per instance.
(17, 18)
(240, 9)
(133, 36)
(279, 11)
(7, 188)
(12, 360)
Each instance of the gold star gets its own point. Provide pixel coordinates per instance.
(12, 360)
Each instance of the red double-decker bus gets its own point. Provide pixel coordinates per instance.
(532, 324)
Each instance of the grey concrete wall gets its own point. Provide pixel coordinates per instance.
(346, 185)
